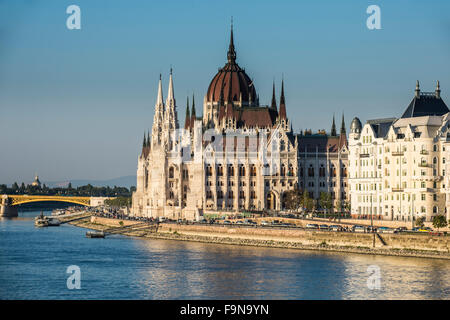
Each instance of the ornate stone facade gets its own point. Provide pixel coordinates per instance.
(398, 167)
(238, 156)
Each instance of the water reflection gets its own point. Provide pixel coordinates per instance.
(34, 262)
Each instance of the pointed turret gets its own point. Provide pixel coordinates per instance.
(438, 90)
(187, 119)
(274, 100)
(343, 131)
(417, 91)
(170, 95)
(159, 99)
(170, 116)
(282, 102)
(158, 118)
(231, 55)
(193, 115)
(333, 128)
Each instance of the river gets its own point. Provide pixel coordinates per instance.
(34, 261)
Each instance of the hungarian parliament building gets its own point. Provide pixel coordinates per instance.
(243, 156)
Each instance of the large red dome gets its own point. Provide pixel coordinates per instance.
(232, 81)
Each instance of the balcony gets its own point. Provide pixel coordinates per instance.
(424, 165)
(423, 152)
(397, 153)
(397, 189)
(364, 155)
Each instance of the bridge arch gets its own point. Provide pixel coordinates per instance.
(15, 200)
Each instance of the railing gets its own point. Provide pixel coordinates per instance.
(424, 165)
(397, 189)
(397, 153)
(423, 152)
(364, 155)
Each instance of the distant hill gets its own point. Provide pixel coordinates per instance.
(126, 181)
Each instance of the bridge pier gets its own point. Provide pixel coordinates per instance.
(6, 210)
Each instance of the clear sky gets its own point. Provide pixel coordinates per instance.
(74, 104)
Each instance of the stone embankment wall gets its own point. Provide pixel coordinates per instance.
(412, 245)
(112, 222)
(315, 237)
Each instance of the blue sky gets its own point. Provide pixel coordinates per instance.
(74, 104)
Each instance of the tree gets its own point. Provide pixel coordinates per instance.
(439, 222)
(119, 202)
(307, 202)
(325, 201)
(292, 199)
(420, 222)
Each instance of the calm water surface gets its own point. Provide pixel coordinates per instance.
(33, 263)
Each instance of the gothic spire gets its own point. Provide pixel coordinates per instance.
(170, 94)
(417, 91)
(231, 52)
(333, 128)
(274, 101)
(159, 99)
(282, 102)
(438, 90)
(193, 106)
(343, 131)
(187, 120)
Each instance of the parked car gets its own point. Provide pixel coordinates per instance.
(425, 229)
(227, 222)
(360, 229)
(323, 227)
(312, 226)
(401, 229)
(335, 228)
(265, 223)
(386, 230)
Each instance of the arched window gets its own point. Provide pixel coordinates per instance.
(283, 170)
(321, 171)
(291, 171)
(241, 170)
(208, 170)
(171, 172)
(230, 170)
(253, 170)
(219, 170)
(310, 171)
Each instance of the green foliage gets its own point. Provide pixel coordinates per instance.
(439, 222)
(420, 222)
(292, 199)
(119, 202)
(307, 202)
(82, 191)
(325, 200)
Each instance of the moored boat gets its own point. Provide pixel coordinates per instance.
(53, 222)
(95, 234)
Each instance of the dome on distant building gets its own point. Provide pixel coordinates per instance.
(36, 182)
(231, 83)
(356, 125)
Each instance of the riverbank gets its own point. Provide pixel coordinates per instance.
(404, 245)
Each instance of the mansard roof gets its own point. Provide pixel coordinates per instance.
(322, 142)
(426, 104)
(381, 126)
